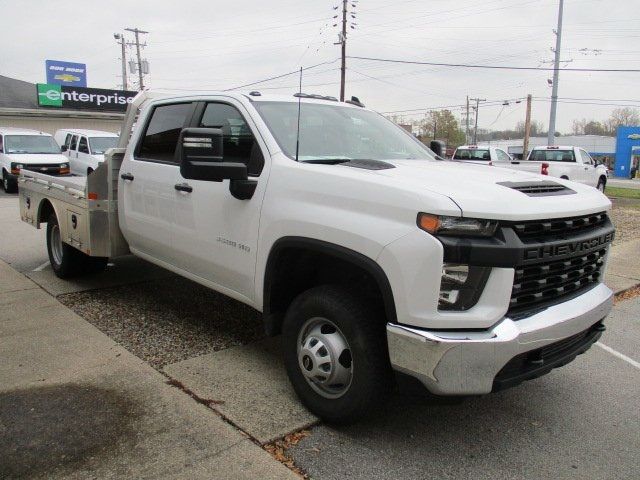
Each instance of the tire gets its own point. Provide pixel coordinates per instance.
(89, 171)
(564, 177)
(9, 185)
(602, 183)
(66, 261)
(331, 315)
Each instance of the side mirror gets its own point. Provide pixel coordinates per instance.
(64, 148)
(438, 147)
(200, 153)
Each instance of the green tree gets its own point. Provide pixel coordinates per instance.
(441, 125)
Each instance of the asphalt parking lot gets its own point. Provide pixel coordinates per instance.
(581, 421)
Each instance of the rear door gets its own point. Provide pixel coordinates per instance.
(215, 233)
(147, 178)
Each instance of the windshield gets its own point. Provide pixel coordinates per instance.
(332, 132)
(552, 156)
(30, 144)
(99, 145)
(472, 154)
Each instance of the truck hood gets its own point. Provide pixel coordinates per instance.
(475, 189)
(30, 158)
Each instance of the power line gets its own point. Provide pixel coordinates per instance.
(493, 67)
(279, 76)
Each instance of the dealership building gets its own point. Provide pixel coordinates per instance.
(47, 107)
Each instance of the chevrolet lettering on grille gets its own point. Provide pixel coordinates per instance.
(562, 250)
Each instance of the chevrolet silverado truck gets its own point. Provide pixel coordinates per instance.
(371, 256)
(569, 163)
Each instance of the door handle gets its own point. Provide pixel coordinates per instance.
(183, 187)
(127, 176)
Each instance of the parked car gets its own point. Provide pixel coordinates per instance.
(365, 251)
(480, 154)
(32, 150)
(569, 163)
(85, 148)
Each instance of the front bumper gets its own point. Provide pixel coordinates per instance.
(469, 362)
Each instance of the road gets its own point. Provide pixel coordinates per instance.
(624, 183)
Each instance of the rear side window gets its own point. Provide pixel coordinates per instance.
(83, 146)
(472, 154)
(163, 130)
(553, 156)
(238, 142)
(1, 145)
(74, 142)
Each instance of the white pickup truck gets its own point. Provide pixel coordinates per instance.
(480, 154)
(356, 243)
(569, 163)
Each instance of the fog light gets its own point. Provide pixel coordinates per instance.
(461, 286)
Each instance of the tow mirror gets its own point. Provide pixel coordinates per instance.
(438, 147)
(64, 148)
(201, 156)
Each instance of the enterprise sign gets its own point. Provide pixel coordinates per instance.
(97, 99)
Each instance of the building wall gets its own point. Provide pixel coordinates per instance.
(624, 147)
(50, 124)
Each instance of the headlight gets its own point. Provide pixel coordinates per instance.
(64, 165)
(461, 286)
(460, 226)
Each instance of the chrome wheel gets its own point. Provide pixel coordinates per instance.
(601, 186)
(56, 244)
(324, 358)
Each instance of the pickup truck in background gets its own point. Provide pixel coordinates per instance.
(480, 154)
(569, 163)
(371, 256)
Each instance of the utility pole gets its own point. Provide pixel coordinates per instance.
(466, 136)
(527, 129)
(475, 129)
(120, 39)
(137, 32)
(556, 75)
(343, 40)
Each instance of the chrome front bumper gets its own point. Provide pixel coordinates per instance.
(466, 363)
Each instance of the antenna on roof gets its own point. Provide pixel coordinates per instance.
(298, 131)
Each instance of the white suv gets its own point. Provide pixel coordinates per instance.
(22, 149)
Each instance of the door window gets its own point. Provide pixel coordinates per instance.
(83, 146)
(163, 131)
(503, 156)
(74, 142)
(1, 146)
(238, 142)
(586, 158)
(67, 140)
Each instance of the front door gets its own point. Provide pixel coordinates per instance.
(589, 171)
(146, 184)
(216, 234)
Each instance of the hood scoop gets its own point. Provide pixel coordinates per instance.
(368, 164)
(538, 189)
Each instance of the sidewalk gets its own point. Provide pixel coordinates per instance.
(623, 266)
(74, 404)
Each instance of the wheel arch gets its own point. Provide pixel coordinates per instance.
(327, 260)
(45, 209)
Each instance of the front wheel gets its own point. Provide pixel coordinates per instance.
(65, 260)
(601, 184)
(9, 185)
(335, 353)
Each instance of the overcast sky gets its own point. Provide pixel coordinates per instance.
(195, 44)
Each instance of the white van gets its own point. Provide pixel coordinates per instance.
(85, 148)
(22, 149)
